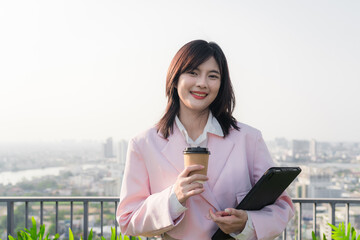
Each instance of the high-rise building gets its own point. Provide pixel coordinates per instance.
(108, 148)
(317, 183)
(282, 142)
(300, 149)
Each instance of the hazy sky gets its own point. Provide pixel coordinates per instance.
(93, 69)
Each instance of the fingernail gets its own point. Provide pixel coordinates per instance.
(227, 210)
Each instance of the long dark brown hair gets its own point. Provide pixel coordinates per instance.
(189, 57)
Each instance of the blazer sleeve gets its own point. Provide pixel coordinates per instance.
(141, 212)
(270, 221)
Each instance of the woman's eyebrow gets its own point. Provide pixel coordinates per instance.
(211, 71)
(214, 71)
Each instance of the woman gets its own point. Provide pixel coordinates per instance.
(159, 198)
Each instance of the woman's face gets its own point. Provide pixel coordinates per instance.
(198, 88)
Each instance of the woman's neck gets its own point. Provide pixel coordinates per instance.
(194, 123)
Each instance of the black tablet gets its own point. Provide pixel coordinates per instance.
(265, 192)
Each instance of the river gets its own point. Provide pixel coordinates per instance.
(11, 177)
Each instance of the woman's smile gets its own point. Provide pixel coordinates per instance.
(198, 95)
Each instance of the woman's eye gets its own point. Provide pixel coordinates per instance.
(192, 73)
(214, 76)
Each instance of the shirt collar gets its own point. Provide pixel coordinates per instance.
(212, 126)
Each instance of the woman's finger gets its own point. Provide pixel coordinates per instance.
(213, 215)
(196, 177)
(230, 223)
(195, 192)
(236, 212)
(219, 221)
(189, 169)
(187, 194)
(192, 186)
(187, 186)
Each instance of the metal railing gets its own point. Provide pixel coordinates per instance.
(10, 201)
(332, 202)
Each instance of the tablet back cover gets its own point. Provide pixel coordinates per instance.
(270, 186)
(265, 192)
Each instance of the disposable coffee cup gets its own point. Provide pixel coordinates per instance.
(197, 156)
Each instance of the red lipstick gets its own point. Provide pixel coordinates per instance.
(198, 95)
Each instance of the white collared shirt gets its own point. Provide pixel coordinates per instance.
(176, 208)
(212, 126)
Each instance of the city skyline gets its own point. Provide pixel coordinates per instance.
(88, 70)
(69, 141)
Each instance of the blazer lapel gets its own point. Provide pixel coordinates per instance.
(209, 197)
(220, 149)
(173, 150)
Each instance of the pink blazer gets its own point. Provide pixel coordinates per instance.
(235, 164)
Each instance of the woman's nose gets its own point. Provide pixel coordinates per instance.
(201, 82)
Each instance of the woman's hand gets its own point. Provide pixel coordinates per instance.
(231, 220)
(186, 186)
